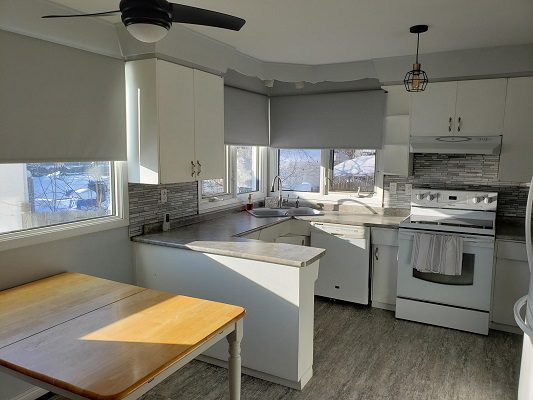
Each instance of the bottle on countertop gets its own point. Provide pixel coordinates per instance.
(250, 204)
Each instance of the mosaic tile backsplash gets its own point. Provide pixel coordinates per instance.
(458, 172)
(146, 207)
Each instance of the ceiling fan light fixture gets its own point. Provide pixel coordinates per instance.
(416, 80)
(147, 32)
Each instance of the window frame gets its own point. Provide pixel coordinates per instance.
(118, 219)
(231, 198)
(374, 198)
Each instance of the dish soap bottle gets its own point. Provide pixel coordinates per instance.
(250, 204)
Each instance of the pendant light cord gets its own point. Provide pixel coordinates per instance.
(417, 43)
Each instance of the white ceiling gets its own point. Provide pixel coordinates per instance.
(334, 31)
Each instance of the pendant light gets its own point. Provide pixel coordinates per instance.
(416, 80)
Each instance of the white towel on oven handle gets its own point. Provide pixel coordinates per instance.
(438, 254)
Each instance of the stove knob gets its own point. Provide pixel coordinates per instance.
(487, 200)
(420, 196)
(475, 200)
(431, 196)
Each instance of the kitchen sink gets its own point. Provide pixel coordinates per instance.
(303, 211)
(290, 212)
(268, 212)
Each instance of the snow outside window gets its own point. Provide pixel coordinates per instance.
(35, 195)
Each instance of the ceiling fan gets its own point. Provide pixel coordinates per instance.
(150, 20)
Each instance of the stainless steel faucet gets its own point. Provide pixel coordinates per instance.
(280, 198)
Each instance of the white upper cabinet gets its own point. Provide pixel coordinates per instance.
(516, 163)
(433, 111)
(480, 107)
(209, 124)
(175, 90)
(469, 108)
(175, 123)
(394, 157)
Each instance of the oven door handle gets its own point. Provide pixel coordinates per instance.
(465, 239)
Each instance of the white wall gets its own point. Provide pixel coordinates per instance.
(106, 254)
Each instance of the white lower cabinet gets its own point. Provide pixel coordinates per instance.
(384, 267)
(511, 280)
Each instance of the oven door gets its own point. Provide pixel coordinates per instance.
(472, 289)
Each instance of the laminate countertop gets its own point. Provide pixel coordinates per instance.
(370, 220)
(221, 236)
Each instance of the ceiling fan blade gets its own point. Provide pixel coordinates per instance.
(199, 16)
(100, 14)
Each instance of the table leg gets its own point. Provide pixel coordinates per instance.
(234, 361)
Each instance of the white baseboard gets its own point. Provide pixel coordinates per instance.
(505, 328)
(384, 306)
(31, 394)
(261, 375)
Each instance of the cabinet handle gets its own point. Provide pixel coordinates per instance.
(193, 168)
(459, 121)
(450, 120)
(376, 254)
(199, 167)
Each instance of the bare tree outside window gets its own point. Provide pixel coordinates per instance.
(247, 172)
(300, 169)
(213, 187)
(41, 194)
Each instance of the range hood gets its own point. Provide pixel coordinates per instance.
(456, 144)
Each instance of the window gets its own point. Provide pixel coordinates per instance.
(353, 170)
(247, 169)
(300, 169)
(35, 195)
(243, 175)
(214, 187)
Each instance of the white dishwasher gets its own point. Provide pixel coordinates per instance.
(344, 271)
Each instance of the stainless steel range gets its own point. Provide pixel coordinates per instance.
(445, 259)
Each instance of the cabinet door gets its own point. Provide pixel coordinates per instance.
(209, 125)
(511, 282)
(516, 163)
(175, 94)
(384, 273)
(142, 122)
(480, 107)
(432, 109)
(395, 156)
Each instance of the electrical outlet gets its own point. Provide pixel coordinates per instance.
(393, 188)
(408, 188)
(164, 196)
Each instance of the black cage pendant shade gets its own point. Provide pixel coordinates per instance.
(416, 80)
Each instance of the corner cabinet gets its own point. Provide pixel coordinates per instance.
(463, 108)
(175, 118)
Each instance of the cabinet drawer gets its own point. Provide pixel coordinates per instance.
(384, 236)
(511, 250)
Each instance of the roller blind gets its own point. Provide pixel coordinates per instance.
(245, 118)
(326, 121)
(58, 103)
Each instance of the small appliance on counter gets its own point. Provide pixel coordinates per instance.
(445, 259)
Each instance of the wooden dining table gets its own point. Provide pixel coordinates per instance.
(90, 338)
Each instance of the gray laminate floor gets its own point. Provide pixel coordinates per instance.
(365, 353)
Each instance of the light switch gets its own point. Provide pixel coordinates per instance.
(393, 187)
(408, 188)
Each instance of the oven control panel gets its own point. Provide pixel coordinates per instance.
(464, 200)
